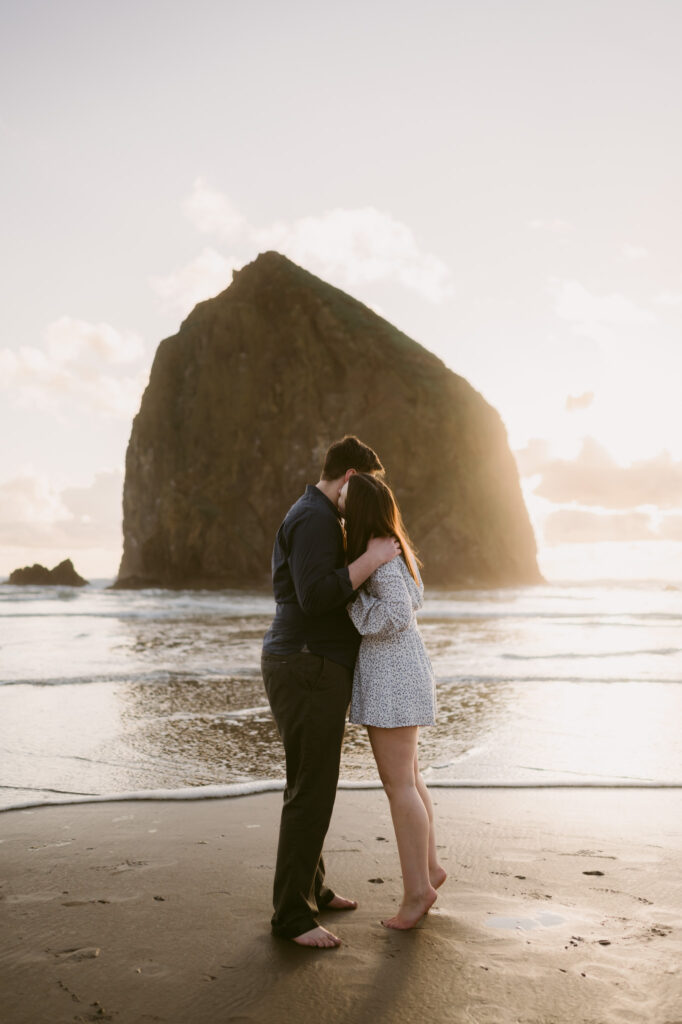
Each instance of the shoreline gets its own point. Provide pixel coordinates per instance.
(560, 906)
(236, 790)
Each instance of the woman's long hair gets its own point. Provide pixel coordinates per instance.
(372, 511)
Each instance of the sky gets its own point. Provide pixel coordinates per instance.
(499, 180)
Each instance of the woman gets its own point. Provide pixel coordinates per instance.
(394, 686)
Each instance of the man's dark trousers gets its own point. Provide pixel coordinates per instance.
(309, 696)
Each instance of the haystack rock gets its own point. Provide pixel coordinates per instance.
(241, 406)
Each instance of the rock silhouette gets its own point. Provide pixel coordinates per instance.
(242, 404)
(63, 575)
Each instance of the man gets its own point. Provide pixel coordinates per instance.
(307, 663)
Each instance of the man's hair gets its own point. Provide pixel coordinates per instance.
(350, 453)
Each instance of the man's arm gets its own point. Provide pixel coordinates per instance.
(379, 551)
(314, 547)
(388, 610)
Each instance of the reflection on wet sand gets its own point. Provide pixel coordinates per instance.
(197, 644)
(213, 724)
(466, 715)
(222, 731)
(215, 731)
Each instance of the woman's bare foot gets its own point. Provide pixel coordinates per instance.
(437, 877)
(319, 937)
(341, 903)
(411, 911)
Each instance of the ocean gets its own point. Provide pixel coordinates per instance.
(107, 692)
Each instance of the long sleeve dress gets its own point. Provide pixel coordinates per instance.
(393, 682)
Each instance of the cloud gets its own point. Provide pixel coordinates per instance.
(583, 401)
(670, 527)
(556, 225)
(34, 513)
(596, 316)
(212, 212)
(350, 247)
(534, 457)
(30, 499)
(579, 526)
(635, 252)
(358, 247)
(200, 279)
(71, 342)
(668, 299)
(90, 365)
(595, 478)
(99, 503)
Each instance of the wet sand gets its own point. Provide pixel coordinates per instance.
(560, 906)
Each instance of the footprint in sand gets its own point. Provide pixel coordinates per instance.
(132, 865)
(46, 846)
(591, 853)
(631, 896)
(102, 900)
(82, 903)
(533, 894)
(76, 953)
(656, 931)
(152, 970)
(98, 1013)
(129, 865)
(32, 897)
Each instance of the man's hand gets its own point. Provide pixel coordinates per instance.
(383, 549)
(379, 551)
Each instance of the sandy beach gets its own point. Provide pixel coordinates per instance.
(561, 906)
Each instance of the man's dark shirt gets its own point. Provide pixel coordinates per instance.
(311, 583)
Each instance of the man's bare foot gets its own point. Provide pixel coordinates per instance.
(412, 911)
(341, 903)
(319, 937)
(437, 877)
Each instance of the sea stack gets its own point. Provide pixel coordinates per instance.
(63, 575)
(241, 406)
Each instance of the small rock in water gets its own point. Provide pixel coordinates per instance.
(63, 575)
(376, 881)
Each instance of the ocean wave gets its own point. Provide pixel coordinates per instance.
(158, 676)
(596, 618)
(161, 678)
(223, 716)
(237, 789)
(588, 607)
(442, 680)
(663, 651)
(147, 614)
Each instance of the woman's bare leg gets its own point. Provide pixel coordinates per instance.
(437, 873)
(394, 751)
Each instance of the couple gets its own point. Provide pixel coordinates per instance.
(344, 632)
